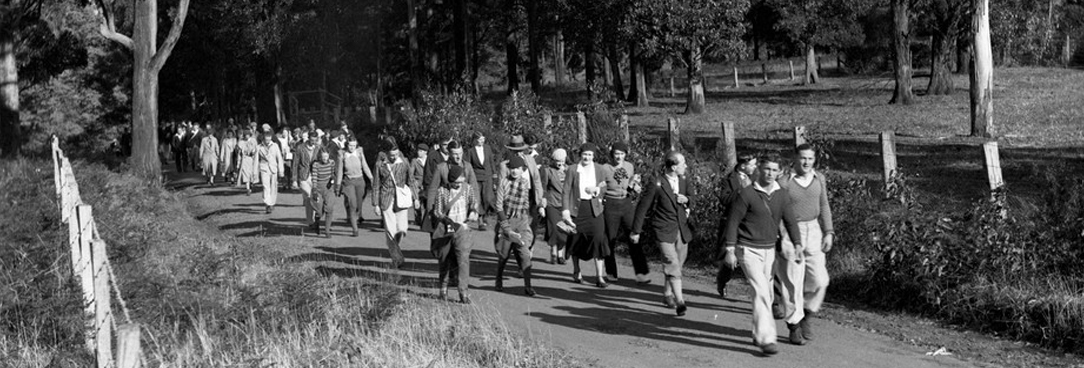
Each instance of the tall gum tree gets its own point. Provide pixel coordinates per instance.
(944, 19)
(13, 15)
(982, 71)
(901, 53)
(147, 60)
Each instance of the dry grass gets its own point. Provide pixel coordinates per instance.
(1037, 107)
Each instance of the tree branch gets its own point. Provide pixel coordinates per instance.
(163, 52)
(108, 28)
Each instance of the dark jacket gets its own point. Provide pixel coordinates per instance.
(303, 161)
(670, 218)
(483, 169)
(431, 162)
(754, 218)
(440, 179)
(553, 185)
(570, 199)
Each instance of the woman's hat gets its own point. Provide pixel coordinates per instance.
(588, 146)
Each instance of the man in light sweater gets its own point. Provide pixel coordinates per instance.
(752, 229)
(803, 283)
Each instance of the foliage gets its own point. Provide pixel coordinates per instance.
(64, 106)
(821, 22)
(714, 27)
(453, 115)
(522, 112)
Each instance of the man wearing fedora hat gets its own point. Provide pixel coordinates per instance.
(536, 193)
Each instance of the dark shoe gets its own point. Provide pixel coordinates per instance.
(795, 334)
(268, 209)
(529, 291)
(443, 294)
(777, 311)
(612, 277)
(463, 298)
(769, 349)
(327, 234)
(561, 260)
(601, 284)
(577, 278)
(500, 285)
(721, 288)
(668, 301)
(681, 309)
(481, 225)
(804, 324)
(248, 191)
(354, 233)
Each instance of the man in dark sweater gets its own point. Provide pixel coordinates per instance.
(752, 232)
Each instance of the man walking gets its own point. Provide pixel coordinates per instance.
(453, 206)
(519, 147)
(306, 154)
(514, 233)
(271, 169)
(752, 229)
(208, 154)
(804, 282)
(738, 179)
(671, 202)
(321, 175)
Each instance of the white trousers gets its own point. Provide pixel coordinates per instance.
(270, 182)
(757, 264)
(803, 283)
(306, 198)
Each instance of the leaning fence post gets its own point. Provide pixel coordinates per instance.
(672, 91)
(372, 114)
(103, 314)
(993, 165)
(764, 72)
(888, 157)
(791, 62)
(726, 146)
(581, 123)
(799, 135)
(673, 135)
(128, 346)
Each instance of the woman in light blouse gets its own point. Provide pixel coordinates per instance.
(582, 206)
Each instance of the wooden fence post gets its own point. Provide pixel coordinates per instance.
(799, 135)
(673, 134)
(387, 115)
(83, 222)
(672, 91)
(764, 72)
(726, 146)
(581, 123)
(791, 69)
(888, 157)
(993, 165)
(103, 314)
(736, 85)
(372, 114)
(623, 124)
(128, 346)
(547, 121)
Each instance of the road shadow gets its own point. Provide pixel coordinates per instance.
(613, 316)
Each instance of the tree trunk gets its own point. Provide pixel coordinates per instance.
(559, 59)
(694, 72)
(615, 70)
(280, 102)
(637, 80)
(901, 46)
(940, 73)
(963, 54)
(534, 47)
(511, 52)
(10, 131)
(756, 44)
(1067, 50)
(589, 67)
(145, 91)
(811, 75)
(459, 36)
(415, 66)
(982, 72)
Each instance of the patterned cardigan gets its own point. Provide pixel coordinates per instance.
(384, 184)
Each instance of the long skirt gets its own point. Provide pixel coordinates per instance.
(248, 170)
(589, 241)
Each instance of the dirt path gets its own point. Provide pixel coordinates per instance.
(620, 326)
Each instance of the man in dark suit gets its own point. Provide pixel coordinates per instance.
(671, 201)
(742, 176)
(480, 158)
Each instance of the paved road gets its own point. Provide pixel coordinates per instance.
(620, 326)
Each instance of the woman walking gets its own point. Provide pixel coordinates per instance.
(227, 160)
(247, 169)
(392, 197)
(553, 182)
(582, 206)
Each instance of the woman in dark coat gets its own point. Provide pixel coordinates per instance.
(582, 206)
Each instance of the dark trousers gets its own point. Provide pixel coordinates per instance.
(618, 214)
(181, 159)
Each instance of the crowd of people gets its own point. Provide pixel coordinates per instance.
(776, 227)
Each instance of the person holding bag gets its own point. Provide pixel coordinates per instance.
(392, 198)
(454, 205)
